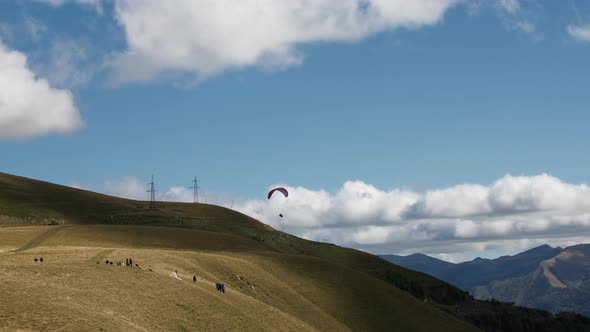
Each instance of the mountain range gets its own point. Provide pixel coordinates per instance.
(554, 279)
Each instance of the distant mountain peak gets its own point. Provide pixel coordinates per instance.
(581, 246)
(418, 255)
(540, 250)
(543, 247)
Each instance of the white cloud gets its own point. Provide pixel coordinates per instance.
(69, 63)
(526, 27)
(128, 187)
(579, 32)
(462, 200)
(371, 235)
(78, 185)
(510, 194)
(360, 201)
(206, 37)
(193, 40)
(178, 194)
(29, 106)
(515, 15)
(537, 193)
(519, 208)
(511, 6)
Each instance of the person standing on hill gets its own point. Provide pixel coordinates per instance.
(41, 259)
(194, 278)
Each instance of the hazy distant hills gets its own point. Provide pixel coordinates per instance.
(422, 263)
(549, 278)
(480, 271)
(561, 283)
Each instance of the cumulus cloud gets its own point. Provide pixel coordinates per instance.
(129, 187)
(29, 105)
(355, 204)
(365, 217)
(193, 40)
(206, 37)
(462, 200)
(580, 32)
(177, 194)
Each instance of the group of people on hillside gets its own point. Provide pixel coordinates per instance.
(220, 287)
(38, 260)
(128, 262)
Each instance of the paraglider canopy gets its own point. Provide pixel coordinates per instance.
(279, 189)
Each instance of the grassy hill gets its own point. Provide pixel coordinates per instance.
(27, 201)
(265, 290)
(275, 281)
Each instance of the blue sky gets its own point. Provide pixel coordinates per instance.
(418, 102)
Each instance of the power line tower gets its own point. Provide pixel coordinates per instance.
(152, 192)
(195, 189)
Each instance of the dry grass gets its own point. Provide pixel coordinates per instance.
(28, 201)
(266, 290)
